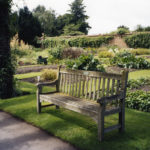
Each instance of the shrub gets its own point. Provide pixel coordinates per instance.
(105, 54)
(140, 51)
(128, 60)
(77, 41)
(139, 100)
(85, 62)
(72, 52)
(48, 75)
(122, 31)
(135, 84)
(56, 52)
(138, 40)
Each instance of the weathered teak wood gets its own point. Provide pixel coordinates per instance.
(88, 93)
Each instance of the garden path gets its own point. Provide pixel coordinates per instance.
(18, 135)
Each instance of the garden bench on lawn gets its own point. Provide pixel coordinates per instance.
(91, 93)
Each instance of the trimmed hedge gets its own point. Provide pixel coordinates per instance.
(139, 100)
(141, 40)
(77, 41)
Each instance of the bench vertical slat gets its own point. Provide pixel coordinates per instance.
(70, 79)
(86, 89)
(103, 87)
(90, 92)
(64, 81)
(118, 84)
(61, 80)
(99, 85)
(79, 89)
(108, 84)
(66, 88)
(73, 82)
(83, 85)
(94, 90)
(112, 87)
(76, 84)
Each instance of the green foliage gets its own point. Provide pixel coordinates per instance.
(135, 84)
(139, 100)
(6, 65)
(85, 62)
(29, 27)
(47, 19)
(122, 31)
(128, 60)
(105, 54)
(72, 30)
(56, 52)
(77, 41)
(78, 16)
(140, 28)
(123, 27)
(13, 26)
(140, 51)
(141, 40)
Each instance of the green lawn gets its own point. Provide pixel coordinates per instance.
(80, 130)
(27, 75)
(139, 74)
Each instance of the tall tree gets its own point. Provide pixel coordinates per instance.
(47, 19)
(13, 23)
(29, 26)
(78, 13)
(6, 69)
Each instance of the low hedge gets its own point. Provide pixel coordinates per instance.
(139, 100)
(141, 40)
(77, 41)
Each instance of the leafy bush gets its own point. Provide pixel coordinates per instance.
(85, 62)
(128, 60)
(76, 41)
(138, 40)
(56, 52)
(139, 100)
(140, 51)
(105, 54)
(135, 84)
(122, 31)
(48, 75)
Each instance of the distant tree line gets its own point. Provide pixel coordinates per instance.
(30, 25)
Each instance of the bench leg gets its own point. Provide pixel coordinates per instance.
(38, 107)
(101, 123)
(122, 116)
(38, 100)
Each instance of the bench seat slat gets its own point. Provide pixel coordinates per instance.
(85, 107)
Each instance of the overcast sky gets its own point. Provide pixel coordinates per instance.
(104, 15)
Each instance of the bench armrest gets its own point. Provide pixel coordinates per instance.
(108, 99)
(40, 84)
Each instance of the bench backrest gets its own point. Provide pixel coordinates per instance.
(91, 84)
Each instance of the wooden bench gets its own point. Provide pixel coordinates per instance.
(94, 94)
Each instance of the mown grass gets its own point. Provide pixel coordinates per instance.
(27, 75)
(78, 129)
(139, 74)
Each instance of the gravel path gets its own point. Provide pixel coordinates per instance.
(18, 135)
